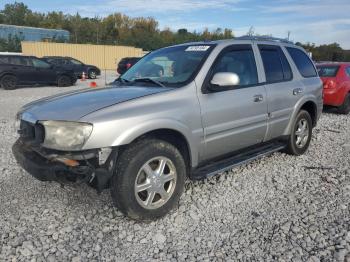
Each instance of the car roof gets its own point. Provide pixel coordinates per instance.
(58, 57)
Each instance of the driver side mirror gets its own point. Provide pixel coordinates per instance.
(221, 81)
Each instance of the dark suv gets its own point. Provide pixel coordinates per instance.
(17, 70)
(126, 63)
(77, 66)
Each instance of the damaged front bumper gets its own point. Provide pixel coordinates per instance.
(94, 167)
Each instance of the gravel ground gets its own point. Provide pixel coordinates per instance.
(277, 208)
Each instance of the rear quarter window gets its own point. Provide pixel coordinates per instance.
(302, 62)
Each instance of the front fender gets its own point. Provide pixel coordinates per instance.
(138, 130)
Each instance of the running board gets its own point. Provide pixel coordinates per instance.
(228, 163)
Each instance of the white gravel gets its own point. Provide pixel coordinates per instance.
(278, 208)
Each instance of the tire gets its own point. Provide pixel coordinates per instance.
(345, 107)
(9, 82)
(133, 163)
(92, 74)
(300, 137)
(64, 81)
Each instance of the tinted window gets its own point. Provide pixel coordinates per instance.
(272, 64)
(4, 60)
(327, 71)
(15, 60)
(54, 61)
(240, 62)
(76, 62)
(303, 62)
(348, 71)
(40, 63)
(287, 71)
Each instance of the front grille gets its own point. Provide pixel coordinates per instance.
(31, 132)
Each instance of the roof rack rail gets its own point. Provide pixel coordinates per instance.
(264, 38)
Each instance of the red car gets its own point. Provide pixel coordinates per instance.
(336, 85)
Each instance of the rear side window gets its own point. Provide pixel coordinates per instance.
(276, 66)
(327, 71)
(240, 62)
(303, 62)
(348, 71)
(4, 60)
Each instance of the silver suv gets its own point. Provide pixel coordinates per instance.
(190, 110)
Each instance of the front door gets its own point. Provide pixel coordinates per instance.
(44, 72)
(235, 117)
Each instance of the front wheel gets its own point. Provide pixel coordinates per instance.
(345, 107)
(149, 179)
(300, 137)
(92, 74)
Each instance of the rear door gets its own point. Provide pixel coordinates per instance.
(235, 117)
(23, 69)
(281, 90)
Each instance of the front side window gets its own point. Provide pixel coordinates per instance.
(276, 66)
(240, 62)
(40, 64)
(172, 66)
(327, 71)
(302, 62)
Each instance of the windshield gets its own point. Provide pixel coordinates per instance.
(75, 62)
(173, 66)
(327, 71)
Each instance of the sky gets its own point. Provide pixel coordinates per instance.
(314, 21)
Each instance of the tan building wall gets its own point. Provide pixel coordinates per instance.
(102, 56)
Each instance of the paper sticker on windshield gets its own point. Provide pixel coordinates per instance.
(198, 48)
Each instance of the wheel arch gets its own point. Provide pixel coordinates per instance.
(174, 133)
(308, 105)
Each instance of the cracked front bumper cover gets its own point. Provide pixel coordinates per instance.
(45, 170)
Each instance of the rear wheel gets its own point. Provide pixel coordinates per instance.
(9, 82)
(149, 179)
(64, 81)
(345, 107)
(92, 74)
(300, 137)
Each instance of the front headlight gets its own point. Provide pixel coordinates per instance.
(63, 135)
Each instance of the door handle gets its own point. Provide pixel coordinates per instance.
(297, 91)
(258, 98)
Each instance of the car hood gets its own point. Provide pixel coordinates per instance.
(71, 106)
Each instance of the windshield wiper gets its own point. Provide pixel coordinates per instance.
(123, 80)
(149, 80)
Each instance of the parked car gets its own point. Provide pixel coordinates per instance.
(215, 106)
(336, 85)
(77, 66)
(126, 63)
(17, 70)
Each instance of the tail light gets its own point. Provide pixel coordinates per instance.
(128, 65)
(329, 84)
